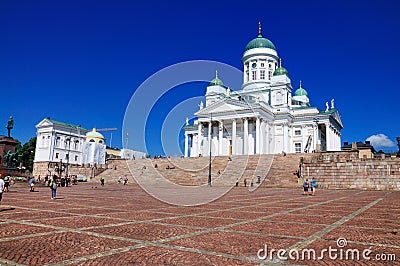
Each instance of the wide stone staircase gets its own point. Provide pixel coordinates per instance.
(273, 170)
(282, 172)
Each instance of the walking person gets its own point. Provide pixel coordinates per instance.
(53, 187)
(313, 186)
(32, 184)
(6, 183)
(305, 187)
(102, 181)
(1, 188)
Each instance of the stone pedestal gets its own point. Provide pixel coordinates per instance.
(8, 144)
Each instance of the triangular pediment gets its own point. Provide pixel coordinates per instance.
(224, 106)
(335, 115)
(44, 123)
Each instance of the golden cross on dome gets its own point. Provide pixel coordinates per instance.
(216, 74)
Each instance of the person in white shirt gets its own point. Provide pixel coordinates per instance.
(1, 188)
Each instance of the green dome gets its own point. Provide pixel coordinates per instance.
(281, 71)
(260, 42)
(300, 91)
(216, 81)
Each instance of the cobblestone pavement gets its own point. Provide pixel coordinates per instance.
(122, 225)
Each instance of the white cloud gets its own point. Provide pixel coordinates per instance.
(381, 140)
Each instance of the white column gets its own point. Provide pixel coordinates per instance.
(198, 139)
(234, 137)
(194, 146)
(245, 136)
(285, 137)
(328, 137)
(209, 139)
(262, 137)
(220, 137)
(267, 135)
(186, 145)
(257, 135)
(315, 140)
(304, 137)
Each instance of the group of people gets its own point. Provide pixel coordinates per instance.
(310, 187)
(123, 180)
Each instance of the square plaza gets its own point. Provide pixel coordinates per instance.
(122, 225)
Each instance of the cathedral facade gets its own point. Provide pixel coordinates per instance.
(265, 116)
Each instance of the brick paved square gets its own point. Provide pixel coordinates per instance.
(279, 228)
(162, 256)
(55, 247)
(115, 225)
(234, 243)
(15, 229)
(144, 231)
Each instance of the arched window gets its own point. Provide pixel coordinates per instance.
(76, 144)
(58, 140)
(92, 140)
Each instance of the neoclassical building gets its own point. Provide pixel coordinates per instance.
(264, 116)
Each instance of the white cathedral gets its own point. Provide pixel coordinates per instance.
(262, 117)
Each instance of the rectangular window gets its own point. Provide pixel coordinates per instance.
(262, 64)
(297, 132)
(269, 74)
(57, 155)
(297, 147)
(67, 157)
(262, 74)
(253, 75)
(76, 158)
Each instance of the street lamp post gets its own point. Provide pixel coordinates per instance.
(69, 147)
(209, 164)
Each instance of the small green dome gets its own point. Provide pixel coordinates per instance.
(260, 42)
(300, 91)
(216, 81)
(281, 71)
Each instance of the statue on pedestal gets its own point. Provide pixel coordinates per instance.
(10, 125)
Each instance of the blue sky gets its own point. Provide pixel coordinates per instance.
(81, 61)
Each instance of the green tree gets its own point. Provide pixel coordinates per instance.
(28, 153)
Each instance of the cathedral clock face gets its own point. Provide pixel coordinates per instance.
(254, 65)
